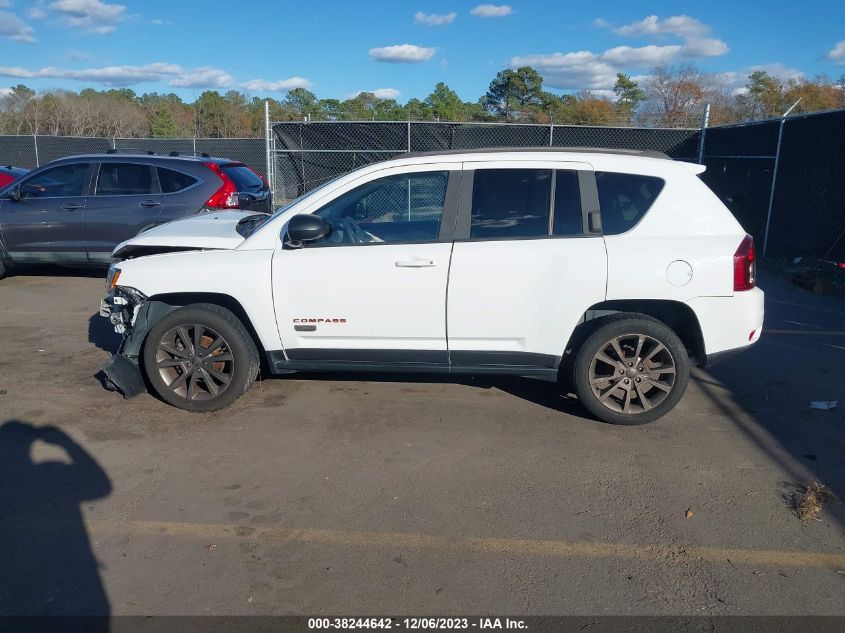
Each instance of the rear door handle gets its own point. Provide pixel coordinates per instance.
(70, 206)
(416, 263)
(149, 203)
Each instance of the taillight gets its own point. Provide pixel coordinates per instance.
(745, 265)
(227, 196)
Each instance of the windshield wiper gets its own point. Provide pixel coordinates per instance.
(247, 226)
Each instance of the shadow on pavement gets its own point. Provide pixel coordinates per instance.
(540, 392)
(45, 553)
(796, 361)
(101, 333)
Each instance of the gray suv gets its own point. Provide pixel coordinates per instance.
(75, 210)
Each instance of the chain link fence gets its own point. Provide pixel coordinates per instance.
(784, 180)
(307, 154)
(33, 151)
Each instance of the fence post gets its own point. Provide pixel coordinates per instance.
(267, 146)
(703, 133)
(409, 135)
(35, 143)
(775, 176)
(551, 133)
(195, 146)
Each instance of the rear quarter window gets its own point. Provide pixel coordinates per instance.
(624, 199)
(172, 181)
(244, 178)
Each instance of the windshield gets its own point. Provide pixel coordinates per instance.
(249, 225)
(281, 210)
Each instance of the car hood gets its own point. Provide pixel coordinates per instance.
(207, 231)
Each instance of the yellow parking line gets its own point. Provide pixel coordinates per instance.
(213, 532)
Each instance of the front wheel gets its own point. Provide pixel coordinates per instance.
(631, 370)
(200, 358)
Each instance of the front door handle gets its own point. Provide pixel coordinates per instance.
(149, 203)
(70, 206)
(416, 263)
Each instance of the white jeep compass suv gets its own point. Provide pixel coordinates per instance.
(610, 270)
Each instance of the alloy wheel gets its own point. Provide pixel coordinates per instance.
(632, 373)
(195, 362)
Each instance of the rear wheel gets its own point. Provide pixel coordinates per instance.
(632, 369)
(200, 358)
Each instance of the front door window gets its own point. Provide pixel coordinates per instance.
(400, 208)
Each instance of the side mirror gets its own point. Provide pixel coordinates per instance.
(306, 228)
(15, 193)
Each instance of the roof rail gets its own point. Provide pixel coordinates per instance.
(645, 153)
(131, 150)
(178, 153)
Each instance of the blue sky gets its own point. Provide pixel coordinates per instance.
(402, 48)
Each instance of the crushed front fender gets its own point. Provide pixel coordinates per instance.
(123, 374)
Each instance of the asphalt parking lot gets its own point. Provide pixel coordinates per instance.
(402, 495)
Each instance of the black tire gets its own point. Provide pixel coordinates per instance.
(609, 390)
(2, 269)
(182, 370)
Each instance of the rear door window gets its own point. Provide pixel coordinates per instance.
(172, 181)
(125, 179)
(510, 203)
(244, 178)
(624, 199)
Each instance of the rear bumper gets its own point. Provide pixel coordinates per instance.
(729, 324)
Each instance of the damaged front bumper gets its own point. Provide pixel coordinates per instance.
(123, 306)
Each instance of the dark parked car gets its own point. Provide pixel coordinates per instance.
(10, 174)
(75, 210)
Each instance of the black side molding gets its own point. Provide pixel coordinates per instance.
(543, 366)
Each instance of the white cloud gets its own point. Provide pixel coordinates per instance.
(579, 70)
(205, 77)
(693, 32)
(837, 53)
(679, 25)
(735, 81)
(642, 56)
(705, 47)
(596, 71)
(492, 10)
(36, 13)
(378, 93)
(5, 92)
(381, 93)
(434, 19)
(15, 29)
(5, 4)
(92, 16)
(118, 76)
(402, 54)
(281, 85)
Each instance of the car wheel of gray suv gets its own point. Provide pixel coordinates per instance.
(631, 370)
(200, 358)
